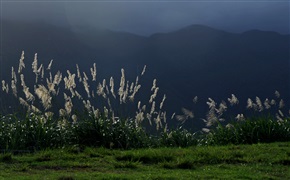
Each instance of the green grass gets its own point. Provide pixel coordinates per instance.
(251, 131)
(257, 161)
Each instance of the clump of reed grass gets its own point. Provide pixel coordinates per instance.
(64, 109)
(56, 113)
(244, 129)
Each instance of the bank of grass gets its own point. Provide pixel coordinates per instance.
(32, 134)
(257, 161)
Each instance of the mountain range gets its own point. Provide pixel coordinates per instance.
(193, 61)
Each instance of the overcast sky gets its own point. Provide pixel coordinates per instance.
(148, 17)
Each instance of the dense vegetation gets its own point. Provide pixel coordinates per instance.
(54, 132)
(59, 111)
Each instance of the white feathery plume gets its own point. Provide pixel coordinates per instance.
(39, 69)
(86, 86)
(85, 76)
(240, 117)
(143, 71)
(24, 103)
(267, 103)
(153, 96)
(211, 103)
(100, 89)
(57, 78)
(94, 72)
(78, 94)
(112, 87)
(233, 100)
(21, 63)
(49, 65)
(62, 112)
(125, 93)
(66, 98)
(35, 109)
(109, 104)
(277, 94)
(163, 116)
(136, 89)
(122, 85)
(154, 85)
(172, 116)
(104, 83)
(149, 116)
(152, 108)
(48, 114)
(68, 105)
(181, 118)
(34, 63)
(132, 87)
(34, 67)
(106, 112)
(280, 113)
(74, 118)
(13, 75)
(259, 104)
(79, 73)
(281, 104)
(28, 95)
(43, 94)
(13, 87)
(206, 130)
(187, 113)
(107, 90)
(42, 73)
(4, 86)
(195, 99)
(22, 81)
(211, 117)
(158, 121)
(273, 102)
(139, 117)
(70, 80)
(279, 119)
(50, 86)
(137, 81)
(143, 108)
(222, 108)
(162, 102)
(87, 105)
(96, 113)
(250, 103)
(103, 92)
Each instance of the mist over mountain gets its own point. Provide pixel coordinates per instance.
(194, 61)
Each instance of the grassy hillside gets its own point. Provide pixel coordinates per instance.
(259, 161)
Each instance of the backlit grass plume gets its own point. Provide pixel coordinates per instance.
(65, 88)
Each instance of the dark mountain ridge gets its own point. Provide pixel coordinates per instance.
(195, 60)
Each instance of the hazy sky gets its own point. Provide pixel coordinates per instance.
(147, 17)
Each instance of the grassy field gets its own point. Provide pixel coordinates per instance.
(60, 127)
(258, 161)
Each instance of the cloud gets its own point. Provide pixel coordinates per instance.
(147, 17)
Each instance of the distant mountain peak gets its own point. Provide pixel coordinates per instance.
(197, 26)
